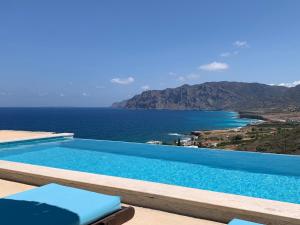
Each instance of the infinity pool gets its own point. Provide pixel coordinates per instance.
(269, 176)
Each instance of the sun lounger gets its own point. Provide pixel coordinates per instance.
(242, 222)
(55, 204)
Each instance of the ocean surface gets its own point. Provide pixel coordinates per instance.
(118, 124)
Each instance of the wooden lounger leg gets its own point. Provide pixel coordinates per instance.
(117, 218)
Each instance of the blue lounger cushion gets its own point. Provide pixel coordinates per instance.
(242, 222)
(55, 204)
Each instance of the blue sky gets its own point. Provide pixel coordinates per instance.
(92, 53)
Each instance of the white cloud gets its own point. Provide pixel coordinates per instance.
(84, 94)
(241, 44)
(292, 84)
(123, 81)
(145, 87)
(225, 54)
(62, 95)
(214, 67)
(191, 76)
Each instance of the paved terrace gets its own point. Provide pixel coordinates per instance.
(142, 216)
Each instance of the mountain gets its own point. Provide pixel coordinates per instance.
(223, 95)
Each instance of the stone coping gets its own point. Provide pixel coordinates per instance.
(198, 203)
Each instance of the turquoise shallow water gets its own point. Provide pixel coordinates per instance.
(249, 174)
(114, 124)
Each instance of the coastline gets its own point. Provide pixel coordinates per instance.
(251, 115)
(187, 139)
(271, 132)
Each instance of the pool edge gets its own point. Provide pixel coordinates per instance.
(198, 203)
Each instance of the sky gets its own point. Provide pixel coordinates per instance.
(93, 53)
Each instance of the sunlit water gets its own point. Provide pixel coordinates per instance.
(171, 165)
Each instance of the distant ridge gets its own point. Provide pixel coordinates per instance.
(223, 95)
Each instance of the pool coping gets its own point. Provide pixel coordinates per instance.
(216, 206)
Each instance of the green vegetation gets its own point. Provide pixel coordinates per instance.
(281, 138)
(272, 137)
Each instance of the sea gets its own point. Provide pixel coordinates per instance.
(119, 124)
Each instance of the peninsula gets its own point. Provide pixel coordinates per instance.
(277, 106)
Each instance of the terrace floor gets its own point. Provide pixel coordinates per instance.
(142, 216)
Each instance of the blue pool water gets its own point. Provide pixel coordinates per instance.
(116, 124)
(269, 176)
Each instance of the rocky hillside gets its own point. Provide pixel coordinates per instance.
(217, 96)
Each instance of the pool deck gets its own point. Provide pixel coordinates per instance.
(142, 215)
(7, 136)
